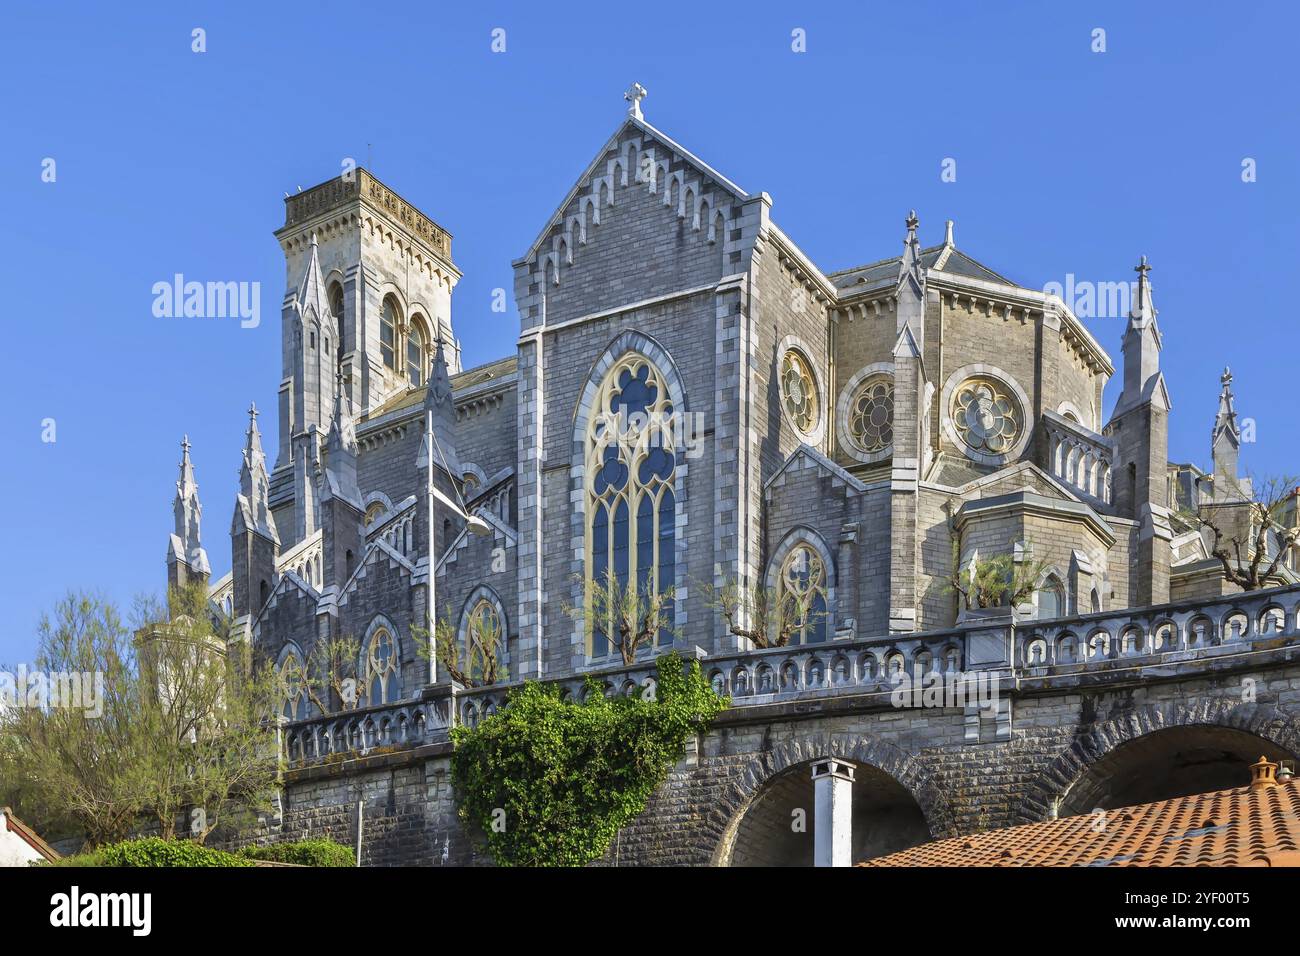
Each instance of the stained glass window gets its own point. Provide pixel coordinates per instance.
(483, 635)
(987, 416)
(803, 594)
(799, 391)
(383, 684)
(871, 414)
(294, 687)
(631, 467)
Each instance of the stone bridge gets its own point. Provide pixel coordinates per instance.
(987, 725)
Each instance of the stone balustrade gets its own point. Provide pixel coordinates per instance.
(360, 732)
(1079, 457)
(306, 559)
(398, 529)
(867, 667)
(1171, 632)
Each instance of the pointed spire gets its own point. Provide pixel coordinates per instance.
(254, 482)
(341, 451)
(1225, 420)
(1143, 309)
(439, 391)
(1143, 380)
(186, 544)
(910, 264)
(441, 413)
(311, 288)
(1225, 442)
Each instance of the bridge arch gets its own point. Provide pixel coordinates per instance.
(895, 802)
(1159, 752)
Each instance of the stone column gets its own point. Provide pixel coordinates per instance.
(832, 813)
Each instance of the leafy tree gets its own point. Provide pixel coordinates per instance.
(630, 617)
(550, 782)
(1253, 536)
(330, 676)
(181, 723)
(767, 618)
(478, 663)
(997, 581)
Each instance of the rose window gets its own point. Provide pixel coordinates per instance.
(799, 391)
(987, 417)
(871, 415)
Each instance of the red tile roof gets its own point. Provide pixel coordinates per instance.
(1247, 826)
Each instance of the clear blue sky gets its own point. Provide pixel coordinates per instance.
(169, 161)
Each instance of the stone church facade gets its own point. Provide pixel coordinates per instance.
(850, 438)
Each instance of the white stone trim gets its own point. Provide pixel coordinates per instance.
(950, 430)
(842, 414)
(794, 343)
(649, 348)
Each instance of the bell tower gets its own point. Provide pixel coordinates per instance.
(369, 281)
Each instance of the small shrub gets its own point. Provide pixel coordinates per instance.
(303, 853)
(154, 851)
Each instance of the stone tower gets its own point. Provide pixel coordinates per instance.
(254, 540)
(1139, 427)
(369, 282)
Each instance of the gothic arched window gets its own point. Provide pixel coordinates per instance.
(336, 302)
(1051, 599)
(631, 469)
(484, 637)
(293, 687)
(415, 351)
(802, 594)
(390, 318)
(383, 684)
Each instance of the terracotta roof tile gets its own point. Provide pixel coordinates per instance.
(1248, 826)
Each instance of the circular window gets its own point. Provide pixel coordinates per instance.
(799, 391)
(871, 415)
(987, 416)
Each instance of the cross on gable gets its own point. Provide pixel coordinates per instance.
(635, 94)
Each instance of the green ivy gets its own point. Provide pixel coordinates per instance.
(550, 782)
(304, 853)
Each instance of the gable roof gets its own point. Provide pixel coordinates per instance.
(584, 181)
(818, 461)
(1246, 826)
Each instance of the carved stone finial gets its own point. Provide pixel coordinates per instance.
(635, 94)
(1226, 378)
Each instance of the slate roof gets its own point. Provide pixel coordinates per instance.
(411, 397)
(1246, 826)
(885, 272)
